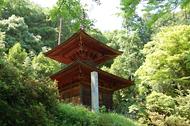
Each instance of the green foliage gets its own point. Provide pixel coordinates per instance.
(112, 119)
(164, 77)
(35, 18)
(167, 61)
(16, 30)
(153, 10)
(25, 99)
(73, 17)
(169, 19)
(130, 44)
(2, 42)
(160, 103)
(71, 115)
(2, 3)
(45, 66)
(129, 7)
(125, 66)
(16, 55)
(176, 121)
(22, 8)
(35, 27)
(139, 25)
(183, 108)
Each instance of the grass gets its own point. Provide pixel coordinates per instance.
(71, 115)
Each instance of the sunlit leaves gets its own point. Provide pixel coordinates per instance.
(35, 20)
(129, 7)
(16, 54)
(166, 59)
(2, 37)
(158, 102)
(16, 30)
(44, 66)
(153, 9)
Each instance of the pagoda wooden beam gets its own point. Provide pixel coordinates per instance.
(68, 85)
(85, 82)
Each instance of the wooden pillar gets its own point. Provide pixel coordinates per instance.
(94, 91)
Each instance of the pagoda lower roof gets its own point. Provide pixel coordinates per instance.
(82, 46)
(79, 72)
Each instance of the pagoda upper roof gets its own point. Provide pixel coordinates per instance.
(81, 46)
(79, 72)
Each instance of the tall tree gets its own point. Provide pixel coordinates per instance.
(73, 17)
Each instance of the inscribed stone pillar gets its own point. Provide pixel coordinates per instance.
(94, 91)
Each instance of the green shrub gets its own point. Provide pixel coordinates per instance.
(175, 120)
(112, 119)
(161, 103)
(71, 115)
(25, 99)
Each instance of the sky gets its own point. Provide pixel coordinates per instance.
(105, 14)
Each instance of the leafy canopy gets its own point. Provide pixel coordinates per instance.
(166, 67)
(153, 9)
(163, 78)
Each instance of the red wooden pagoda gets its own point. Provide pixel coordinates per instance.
(83, 53)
